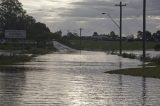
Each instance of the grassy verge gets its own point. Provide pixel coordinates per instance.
(23, 49)
(39, 51)
(9, 60)
(153, 72)
(110, 45)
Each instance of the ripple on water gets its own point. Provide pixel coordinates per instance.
(76, 80)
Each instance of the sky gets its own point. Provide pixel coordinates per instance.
(71, 15)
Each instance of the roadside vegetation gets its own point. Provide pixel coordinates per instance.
(12, 59)
(153, 72)
(38, 37)
(22, 53)
(150, 70)
(110, 45)
(131, 55)
(23, 56)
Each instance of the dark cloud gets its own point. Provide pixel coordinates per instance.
(67, 14)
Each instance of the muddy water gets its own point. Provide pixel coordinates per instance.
(71, 79)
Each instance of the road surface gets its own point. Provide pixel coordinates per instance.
(63, 48)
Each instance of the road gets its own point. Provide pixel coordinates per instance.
(63, 48)
(74, 79)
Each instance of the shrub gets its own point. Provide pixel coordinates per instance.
(157, 47)
(126, 55)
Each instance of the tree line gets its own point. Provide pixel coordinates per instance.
(113, 36)
(14, 17)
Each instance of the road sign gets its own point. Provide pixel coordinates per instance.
(15, 34)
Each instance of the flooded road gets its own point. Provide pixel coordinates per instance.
(149, 53)
(71, 79)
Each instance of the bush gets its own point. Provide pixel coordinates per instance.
(157, 47)
(156, 60)
(126, 55)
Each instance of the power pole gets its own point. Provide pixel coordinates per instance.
(144, 30)
(80, 38)
(120, 5)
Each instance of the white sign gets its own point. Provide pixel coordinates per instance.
(15, 34)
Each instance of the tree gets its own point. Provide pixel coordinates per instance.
(38, 30)
(140, 35)
(148, 35)
(95, 34)
(113, 35)
(57, 35)
(130, 37)
(12, 14)
(157, 36)
(29, 21)
(72, 35)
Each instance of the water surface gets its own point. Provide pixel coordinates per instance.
(71, 79)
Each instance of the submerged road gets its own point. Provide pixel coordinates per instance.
(71, 79)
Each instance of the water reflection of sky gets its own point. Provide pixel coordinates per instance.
(64, 80)
(87, 60)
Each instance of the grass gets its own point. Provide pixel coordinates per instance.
(153, 72)
(8, 60)
(24, 49)
(16, 46)
(39, 51)
(111, 45)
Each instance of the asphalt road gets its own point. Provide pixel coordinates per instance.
(63, 48)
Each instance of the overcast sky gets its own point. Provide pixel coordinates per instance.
(70, 15)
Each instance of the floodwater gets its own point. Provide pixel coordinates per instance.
(71, 79)
(150, 53)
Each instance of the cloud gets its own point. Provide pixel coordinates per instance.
(69, 14)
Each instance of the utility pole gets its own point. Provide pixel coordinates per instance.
(120, 5)
(144, 30)
(80, 38)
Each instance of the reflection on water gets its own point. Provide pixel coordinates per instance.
(144, 91)
(76, 80)
(12, 83)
